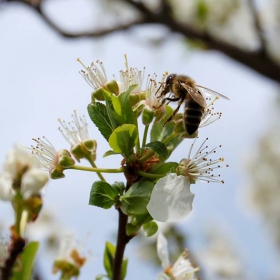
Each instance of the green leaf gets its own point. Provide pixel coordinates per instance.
(159, 148)
(126, 108)
(103, 195)
(150, 228)
(27, 262)
(113, 107)
(108, 259)
(110, 153)
(124, 268)
(136, 223)
(131, 229)
(119, 186)
(98, 114)
(123, 139)
(135, 200)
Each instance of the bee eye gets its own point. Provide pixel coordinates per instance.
(169, 78)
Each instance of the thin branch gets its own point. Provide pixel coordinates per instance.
(258, 61)
(84, 34)
(258, 27)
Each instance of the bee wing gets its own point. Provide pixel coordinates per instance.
(196, 95)
(207, 92)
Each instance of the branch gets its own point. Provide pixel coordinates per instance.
(85, 34)
(255, 60)
(258, 61)
(258, 27)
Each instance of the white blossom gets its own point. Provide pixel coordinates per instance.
(182, 268)
(22, 173)
(95, 74)
(75, 132)
(200, 166)
(171, 199)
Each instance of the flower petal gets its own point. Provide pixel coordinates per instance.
(162, 251)
(33, 180)
(6, 192)
(171, 199)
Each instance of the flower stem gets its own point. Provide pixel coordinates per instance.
(150, 175)
(146, 156)
(169, 138)
(145, 135)
(93, 169)
(91, 161)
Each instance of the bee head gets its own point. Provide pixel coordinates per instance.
(169, 80)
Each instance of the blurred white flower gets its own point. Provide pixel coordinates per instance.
(171, 199)
(219, 258)
(22, 174)
(182, 268)
(68, 257)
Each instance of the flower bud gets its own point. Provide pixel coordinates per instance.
(65, 160)
(85, 149)
(98, 94)
(112, 86)
(147, 116)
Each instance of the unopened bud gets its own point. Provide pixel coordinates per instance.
(147, 116)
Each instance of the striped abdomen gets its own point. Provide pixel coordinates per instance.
(192, 115)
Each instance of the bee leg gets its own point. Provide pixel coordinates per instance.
(175, 111)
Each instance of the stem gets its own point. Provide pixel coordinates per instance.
(93, 169)
(169, 138)
(146, 156)
(138, 141)
(94, 165)
(122, 241)
(145, 135)
(150, 175)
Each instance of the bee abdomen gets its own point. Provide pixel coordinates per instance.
(192, 117)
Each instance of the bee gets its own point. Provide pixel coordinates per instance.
(184, 89)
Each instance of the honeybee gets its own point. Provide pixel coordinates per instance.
(184, 89)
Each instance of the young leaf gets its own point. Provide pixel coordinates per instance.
(123, 139)
(127, 112)
(150, 228)
(119, 186)
(135, 200)
(28, 261)
(159, 148)
(108, 259)
(124, 268)
(113, 107)
(98, 114)
(103, 195)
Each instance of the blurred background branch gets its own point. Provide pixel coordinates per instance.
(198, 30)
